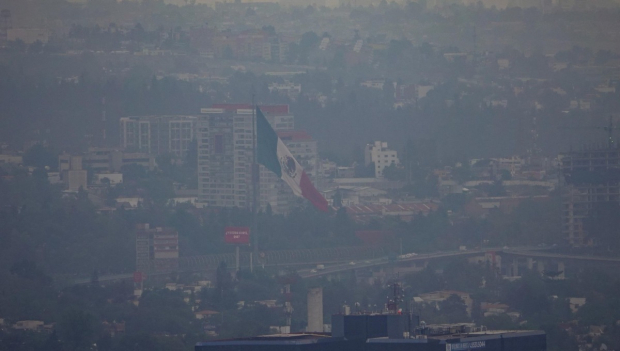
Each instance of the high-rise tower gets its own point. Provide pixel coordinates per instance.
(5, 25)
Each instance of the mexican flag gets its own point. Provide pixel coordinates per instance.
(274, 155)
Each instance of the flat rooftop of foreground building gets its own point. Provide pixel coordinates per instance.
(293, 341)
(388, 332)
(481, 335)
(490, 340)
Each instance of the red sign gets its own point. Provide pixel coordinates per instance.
(138, 277)
(237, 235)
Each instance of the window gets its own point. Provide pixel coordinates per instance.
(219, 144)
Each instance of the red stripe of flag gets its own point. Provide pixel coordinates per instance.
(309, 192)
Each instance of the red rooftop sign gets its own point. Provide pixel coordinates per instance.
(237, 235)
(138, 277)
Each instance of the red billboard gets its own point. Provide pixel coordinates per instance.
(237, 235)
(138, 277)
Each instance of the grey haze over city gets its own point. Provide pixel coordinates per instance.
(325, 175)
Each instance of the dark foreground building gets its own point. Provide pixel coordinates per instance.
(388, 333)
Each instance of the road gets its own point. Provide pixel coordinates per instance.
(527, 251)
(312, 273)
(565, 257)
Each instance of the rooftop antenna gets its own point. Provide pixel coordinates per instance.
(396, 298)
(103, 119)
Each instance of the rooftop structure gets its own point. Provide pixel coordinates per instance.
(386, 332)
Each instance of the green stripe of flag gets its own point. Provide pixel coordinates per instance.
(267, 144)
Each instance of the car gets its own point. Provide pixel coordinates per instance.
(352, 263)
(313, 271)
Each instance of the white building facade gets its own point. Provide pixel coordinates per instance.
(158, 134)
(381, 156)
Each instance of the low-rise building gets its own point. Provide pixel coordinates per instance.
(379, 154)
(575, 303)
(436, 297)
(493, 309)
(108, 178)
(107, 160)
(10, 159)
(29, 325)
(156, 249)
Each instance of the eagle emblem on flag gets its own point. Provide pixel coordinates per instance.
(289, 165)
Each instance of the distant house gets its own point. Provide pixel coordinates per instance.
(205, 314)
(403, 210)
(114, 327)
(129, 202)
(268, 303)
(28, 325)
(493, 309)
(374, 83)
(575, 303)
(596, 330)
(13, 159)
(439, 296)
(503, 63)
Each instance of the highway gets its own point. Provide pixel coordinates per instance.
(565, 257)
(333, 267)
(312, 273)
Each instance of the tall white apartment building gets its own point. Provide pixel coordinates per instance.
(381, 156)
(225, 158)
(158, 134)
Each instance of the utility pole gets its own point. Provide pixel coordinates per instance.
(255, 177)
(103, 120)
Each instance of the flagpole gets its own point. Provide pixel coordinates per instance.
(255, 175)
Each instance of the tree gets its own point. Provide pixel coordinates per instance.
(223, 286)
(365, 171)
(308, 41)
(394, 172)
(505, 174)
(500, 322)
(29, 270)
(94, 279)
(36, 47)
(228, 53)
(41, 157)
(52, 343)
(77, 330)
(424, 281)
(343, 227)
(337, 201)
(454, 309)
(271, 31)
